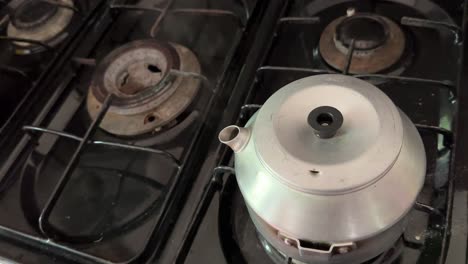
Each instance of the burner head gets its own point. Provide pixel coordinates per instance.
(378, 43)
(40, 21)
(368, 31)
(147, 95)
(32, 14)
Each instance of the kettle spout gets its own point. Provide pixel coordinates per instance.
(235, 137)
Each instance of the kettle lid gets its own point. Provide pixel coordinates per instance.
(328, 134)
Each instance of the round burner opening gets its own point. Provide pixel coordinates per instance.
(140, 74)
(369, 32)
(379, 43)
(33, 13)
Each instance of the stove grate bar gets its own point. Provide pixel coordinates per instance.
(183, 11)
(135, 8)
(223, 170)
(30, 41)
(349, 57)
(195, 75)
(105, 143)
(16, 71)
(447, 134)
(84, 61)
(214, 185)
(246, 110)
(427, 209)
(427, 23)
(247, 107)
(155, 27)
(293, 69)
(45, 245)
(210, 12)
(299, 20)
(246, 9)
(445, 84)
(45, 227)
(62, 5)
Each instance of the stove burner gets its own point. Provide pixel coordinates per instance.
(147, 96)
(379, 43)
(41, 21)
(368, 31)
(32, 14)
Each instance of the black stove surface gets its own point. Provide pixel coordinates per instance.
(72, 190)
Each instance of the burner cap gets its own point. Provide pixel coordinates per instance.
(146, 95)
(379, 43)
(32, 14)
(368, 31)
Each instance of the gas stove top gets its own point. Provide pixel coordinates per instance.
(112, 109)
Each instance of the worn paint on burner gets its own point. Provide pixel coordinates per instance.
(148, 95)
(371, 54)
(40, 21)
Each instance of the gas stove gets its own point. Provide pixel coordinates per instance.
(112, 110)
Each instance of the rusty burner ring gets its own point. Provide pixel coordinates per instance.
(146, 96)
(368, 30)
(30, 14)
(379, 43)
(40, 21)
(118, 80)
